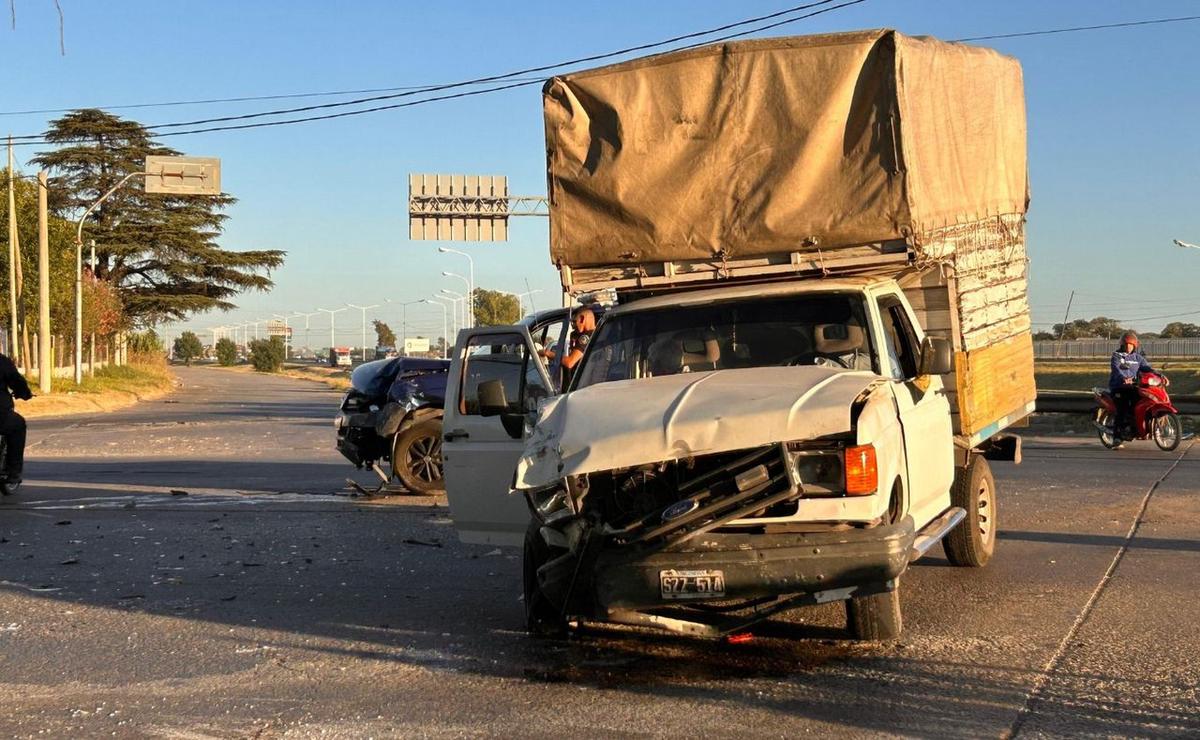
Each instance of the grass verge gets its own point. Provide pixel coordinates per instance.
(109, 389)
(1082, 376)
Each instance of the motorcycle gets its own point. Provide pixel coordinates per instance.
(1154, 416)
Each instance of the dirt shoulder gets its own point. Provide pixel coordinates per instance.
(335, 378)
(108, 390)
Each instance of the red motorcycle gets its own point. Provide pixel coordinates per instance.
(1154, 416)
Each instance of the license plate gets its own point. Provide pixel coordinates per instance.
(691, 584)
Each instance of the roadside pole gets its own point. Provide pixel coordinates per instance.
(45, 354)
(14, 335)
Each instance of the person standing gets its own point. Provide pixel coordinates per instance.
(12, 424)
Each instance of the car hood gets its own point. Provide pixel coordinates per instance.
(634, 422)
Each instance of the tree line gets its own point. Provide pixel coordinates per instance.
(157, 256)
(1106, 328)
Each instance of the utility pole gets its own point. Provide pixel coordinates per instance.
(45, 358)
(92, 338)
(364, 310)
(13, 255)
(1065, 315)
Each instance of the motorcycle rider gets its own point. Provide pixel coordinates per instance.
(1126, 363)
(12, 424)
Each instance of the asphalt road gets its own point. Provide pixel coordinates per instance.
(192, 568)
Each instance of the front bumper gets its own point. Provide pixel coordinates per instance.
(357, 440)
(756, 565)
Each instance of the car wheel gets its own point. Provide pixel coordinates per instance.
(875, 617)
(542, 617)
(417, 457)
(973, 541)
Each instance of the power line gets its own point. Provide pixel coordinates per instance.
(39, 139)
(504, 76)
(210, 101)
(1073, 29)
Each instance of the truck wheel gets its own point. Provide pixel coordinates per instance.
(417, 456)
(875, 617)
(972, 542)
(542, 618)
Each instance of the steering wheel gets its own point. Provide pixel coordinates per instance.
(820, 359)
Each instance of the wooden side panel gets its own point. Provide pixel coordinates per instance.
(994, 382)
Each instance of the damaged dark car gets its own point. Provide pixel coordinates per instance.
(391, 421)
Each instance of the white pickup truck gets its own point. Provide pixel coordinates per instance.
(759, 447)
(817, 248)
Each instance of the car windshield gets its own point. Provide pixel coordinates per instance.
(811, 329)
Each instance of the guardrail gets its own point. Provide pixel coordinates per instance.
(1082, 402)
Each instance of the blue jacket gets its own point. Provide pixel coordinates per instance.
(1126, 365)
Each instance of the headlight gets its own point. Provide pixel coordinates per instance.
(833, 470)
(551, 503)
(819, 471)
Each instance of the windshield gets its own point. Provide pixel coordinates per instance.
(811, 329)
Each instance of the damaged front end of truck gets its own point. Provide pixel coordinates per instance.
(703, 542)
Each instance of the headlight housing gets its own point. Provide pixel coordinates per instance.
(832, 469)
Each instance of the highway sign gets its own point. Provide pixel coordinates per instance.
(183, 175)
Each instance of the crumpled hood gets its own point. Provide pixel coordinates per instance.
(634, 422)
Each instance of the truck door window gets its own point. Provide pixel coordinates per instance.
(548, 336)
(503, 357)
(899, 337)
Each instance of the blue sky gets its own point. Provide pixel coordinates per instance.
(1114, 117)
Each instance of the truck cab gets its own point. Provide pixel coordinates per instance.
(705, 432)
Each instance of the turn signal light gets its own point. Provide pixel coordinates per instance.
(862, 473)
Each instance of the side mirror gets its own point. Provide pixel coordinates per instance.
(492, 399)
(937, 358)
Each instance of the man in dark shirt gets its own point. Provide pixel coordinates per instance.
(12, 424)
(583, 323)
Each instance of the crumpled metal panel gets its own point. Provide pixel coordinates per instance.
(649, 420)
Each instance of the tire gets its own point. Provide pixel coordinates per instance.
(875, 617)
(417, 457)
(1168, 432)
(972, 542)
(1108, 439)
(542, 618)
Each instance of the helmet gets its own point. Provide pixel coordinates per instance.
(1131, 338)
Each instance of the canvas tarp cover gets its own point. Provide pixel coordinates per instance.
(777, 145)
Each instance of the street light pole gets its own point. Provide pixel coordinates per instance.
(307, 338)
(286, 333)
(364, 310)
(79, 271)
(456, 297)
(445, 337)
(404, 321)
(469, 301)
(470, 285)
(331, 312)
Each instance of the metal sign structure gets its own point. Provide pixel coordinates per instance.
(465, 207)
(278, 329)
(183, 175)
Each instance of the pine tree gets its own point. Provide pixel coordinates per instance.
(160, 251)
